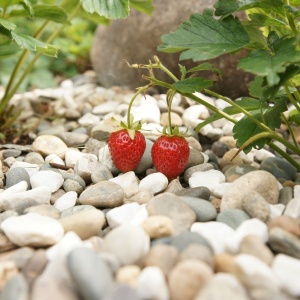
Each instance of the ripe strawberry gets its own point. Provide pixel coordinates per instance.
(170, 155)
(126, 148)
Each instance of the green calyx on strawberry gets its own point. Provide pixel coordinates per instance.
(170, 153)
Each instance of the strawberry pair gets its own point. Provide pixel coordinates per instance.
(170, 153)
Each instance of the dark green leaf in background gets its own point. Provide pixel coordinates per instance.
(204, 37)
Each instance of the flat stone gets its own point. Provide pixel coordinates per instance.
(279, 167)
(233, 217)
(49, 179)
(208, 178)
(187, 287)
(156, 183)
(101, 173)
(54, 158)
(44, 210)
(90, 273)
(203, 209)
(128, 243)
(73, 139)
(103, 194)
(49, 144)
(170, 205)
(86, 221)
(201, 192)
(32, 230)
(85, 166)
(199, 168)
(66, 201)
(281, 241)
(235, 172)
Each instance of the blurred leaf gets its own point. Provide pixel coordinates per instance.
(144, 6)
(191, 85)
(8, 49)
(204, 37)
(112, 9)
(7, 25)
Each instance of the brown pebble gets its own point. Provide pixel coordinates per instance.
(289, 183)
(287, 223)
(8, 269)
(229, 159)
(216, 203)
(223, 262)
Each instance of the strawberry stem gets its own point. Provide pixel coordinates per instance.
(170, 96)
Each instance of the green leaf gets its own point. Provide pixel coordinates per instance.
(294, 117)
(246, 128)
(144, 6)
(112, 9)
(7, 25)
(191, 85)
(182, 71)
(46, 12)
(8, 49)
(204, 37)
(267, 64)
(227, 7)
(30, 43)
(205, 67)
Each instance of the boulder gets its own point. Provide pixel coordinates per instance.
(136, 38)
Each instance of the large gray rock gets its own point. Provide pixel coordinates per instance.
(136, 39)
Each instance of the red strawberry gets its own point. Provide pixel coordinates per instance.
(170, 155)
(126, 150)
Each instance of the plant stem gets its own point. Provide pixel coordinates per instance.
(129, 123)
(290, 130)
(291, 98)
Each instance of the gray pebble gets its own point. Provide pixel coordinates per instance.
(146, 160)
(236, 171)
(75, 177)
(201, 192)
(195, 158)
(16, 175)
(279, 167)
(187, 238)
(203, 209)
(93, 146)
(233, 217)
(285, 195)
(16, 289)
(281, 241)
(102, 173)
(73, 139)
(34, 158)
(11, 153)
(90, 273)
(103, 194)
(219, 148)
(172, 206)
(72, 185)
(123, 292)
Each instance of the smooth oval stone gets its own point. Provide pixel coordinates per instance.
(234, 172)
(72, 185)
(186, 238)
(201, 192)
(36, 230)
(281, 241)
(85, 220)
(172, 206)
(203, 209)
(128, 243)
(17, 175)
(34, 158)
(11, 153)
(75, 177)
(233, 217)
(279, 167)
(90, 273)
(44, 210)
(73, 139)
(49, 144)
(17, 288)
(103, 194)
(285, 195)
(50, 179)
(102, 173)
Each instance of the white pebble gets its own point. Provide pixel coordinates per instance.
(276, 210)
(208, 178)
(158, 289)
(105, 107)
(287, 270)
(155, 182)
(50, 179)
(297, 191)
(32, 229)
(216, 233)
(54, 158)
(293, 208)
(30, 168)
(72, 156)
(128, 182)
(261, 154)
(16, 188)
(66, 201)
(89, 119)
(248, 227)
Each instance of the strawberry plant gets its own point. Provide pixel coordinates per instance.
(127, 144)
(44, 12)
(170, 152)
(270, 32)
